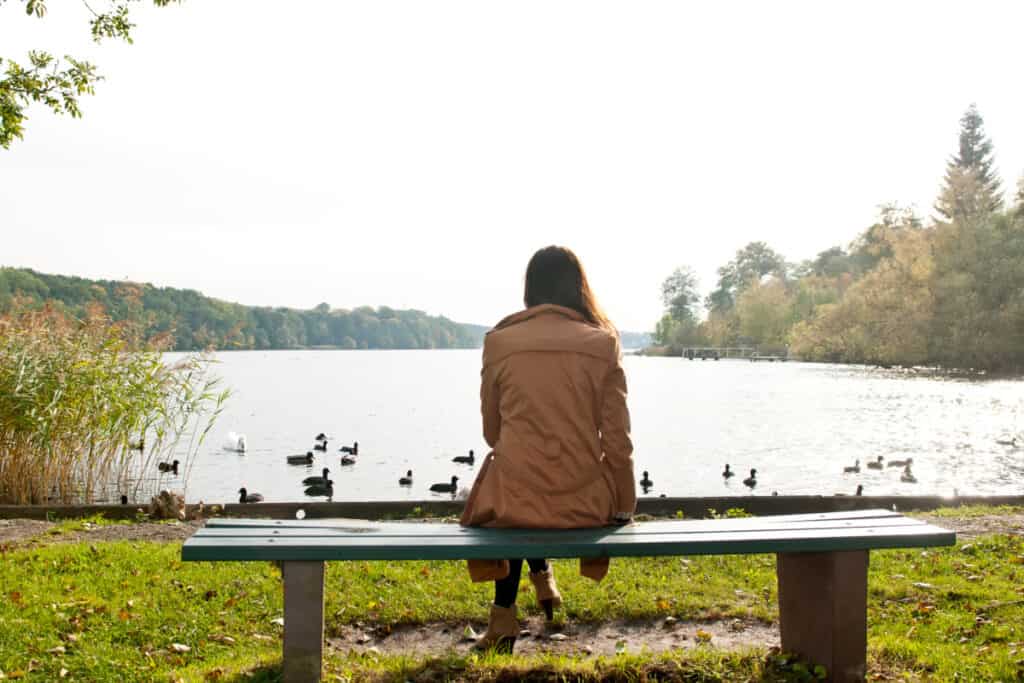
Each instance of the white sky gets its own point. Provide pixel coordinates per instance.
(415, 154)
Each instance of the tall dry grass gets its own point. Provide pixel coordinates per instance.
(78, 395)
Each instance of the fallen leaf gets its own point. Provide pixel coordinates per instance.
(279, 621)
(558, 637)
(703, 636)
(663, 605)
(15, 597)
(59, 650)
(221, 638)
(124, 615)
(63, 672)
(179, 648)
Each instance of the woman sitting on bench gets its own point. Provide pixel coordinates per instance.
(553, 398)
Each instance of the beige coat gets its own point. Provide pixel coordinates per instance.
(553, 398)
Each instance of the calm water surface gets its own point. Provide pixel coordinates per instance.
(799, 424)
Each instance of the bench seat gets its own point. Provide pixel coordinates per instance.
(822, 562)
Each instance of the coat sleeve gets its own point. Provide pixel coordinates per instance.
(489, 394)
(615, 441)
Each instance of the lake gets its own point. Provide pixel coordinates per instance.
(799, 424)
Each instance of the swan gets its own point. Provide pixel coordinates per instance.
(351, 450)
(728, 473)
(646, 481)
(325, 489)
(235, 442)
(168, 467)
(854, 469)
(876, 465)
(348, 460)
(751, 481)
(445, 488)
(406, 480)
(317, 480)
(246, 497)
(465, 459)
(301, 459)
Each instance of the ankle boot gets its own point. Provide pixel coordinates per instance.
(547, 592)
(502, 629)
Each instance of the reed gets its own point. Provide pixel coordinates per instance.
(79, 395)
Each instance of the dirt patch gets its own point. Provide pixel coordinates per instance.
(14, 532)
(605, 638)
(970, 527)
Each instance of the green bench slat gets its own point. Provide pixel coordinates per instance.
(418, 532)
(580, 543)
(737, 522)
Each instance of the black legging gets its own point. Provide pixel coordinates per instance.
(506, 590)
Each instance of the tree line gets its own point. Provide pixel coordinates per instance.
(945, 291)
(199, 322)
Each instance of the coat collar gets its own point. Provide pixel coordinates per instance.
(542, 309)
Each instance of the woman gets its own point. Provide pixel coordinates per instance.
(553, 398)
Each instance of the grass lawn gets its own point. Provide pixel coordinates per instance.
(132, 611)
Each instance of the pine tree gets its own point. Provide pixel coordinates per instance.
(975, 159)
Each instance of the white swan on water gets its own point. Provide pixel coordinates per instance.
(235, 442)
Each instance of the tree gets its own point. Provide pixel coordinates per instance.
(751, 263)
(974, 159)
(765, 312)
(679, 294)
(1020, 196)
(50, 81)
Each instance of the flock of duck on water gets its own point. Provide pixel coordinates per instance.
(324, 485)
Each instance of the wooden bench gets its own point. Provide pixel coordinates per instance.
(822, 564)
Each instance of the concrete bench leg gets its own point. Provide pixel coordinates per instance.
(823, 603)
(303, 621)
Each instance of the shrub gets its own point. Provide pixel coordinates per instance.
(88, 408)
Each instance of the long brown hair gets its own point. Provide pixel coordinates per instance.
(556, 276)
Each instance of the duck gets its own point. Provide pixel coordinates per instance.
(235, 442)
(728, 472)
(245, 497)
(324, 489)
(406, 480)
(465, 459)
(900, 463)
(1010, 441)
(301, 459)
(351, 450)
(854, 469)
(860, 490)
(348, 460)
(646, 481)
(320, 437)
(320, 445)
(168, 466)
(751, 481)
(877, 464)
(317, 480)
(445, 488)
(124, 499)
(908, 477)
